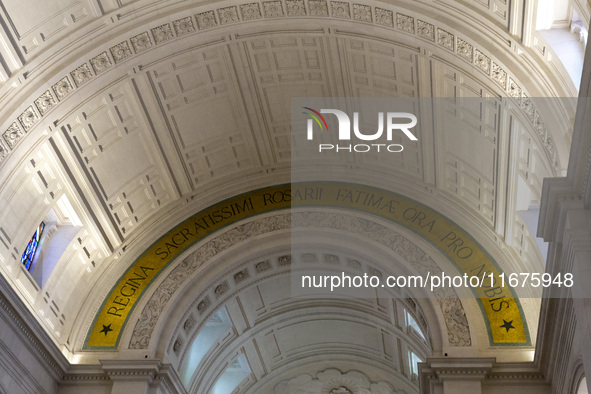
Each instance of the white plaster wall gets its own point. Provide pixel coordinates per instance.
(20, 370)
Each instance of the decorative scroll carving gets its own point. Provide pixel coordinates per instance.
(333, 381)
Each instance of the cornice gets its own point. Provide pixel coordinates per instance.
(84, 374)
(487, 370)
(31, 332)
(150, 371)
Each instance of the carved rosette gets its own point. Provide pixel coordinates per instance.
(203, 305)
(405, 23)
(445, 39)
(272, 9)
(141, 42)
(189, 323)
(62, 88)
(206, 20)
(295, 7)
(45, 102)
(362, 13)
(101, 62)
(183, 26)
(340, 9)
(13, 135)
(514, 89)
(221, 289)
(250, 11)
(499, 75)
(426, 30)
(482, 62)
(121, 51)
(28, 118)
(178, 344)
(263, 266)
(228, 15)
(162, 33)
(318, 8)
(528, 108)
(465, 50)
(240, 276)
(384, 17)
(81, 75)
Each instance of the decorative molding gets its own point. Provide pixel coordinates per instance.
(81, 75)
(3, 152)
(206, 20)
(45, 102)
(295, 8)
(162, 33)
(485, 370)
(499, 75)
(51, 359)
(13, 135)
(250, 11)
(141, 42)
(465, 50)
(101, 62)
(405, 23)
(318, 7)
(272, 9)
(445, 39)
(183, 26)
(159, 375)
(340, 9)
(121, 51)
(228, 15)
(62, 88)
(482, 62)
(425, 30)
(28, 118)
(333, 381)
(362, 13)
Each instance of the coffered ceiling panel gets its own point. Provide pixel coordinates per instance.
(110, 136)
(380, 69)
(200, 100)
(37, 24)
(283, 67)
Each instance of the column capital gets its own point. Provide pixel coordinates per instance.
(131, 370)
(476, 371)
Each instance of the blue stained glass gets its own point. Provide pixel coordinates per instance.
(29, 253)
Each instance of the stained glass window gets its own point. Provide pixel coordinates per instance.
(29, 254)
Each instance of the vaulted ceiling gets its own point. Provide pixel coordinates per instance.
(144, 113)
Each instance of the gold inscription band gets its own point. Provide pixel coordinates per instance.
(502, 311)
